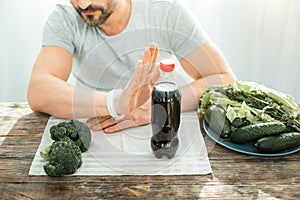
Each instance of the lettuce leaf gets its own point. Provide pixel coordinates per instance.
(285, 100)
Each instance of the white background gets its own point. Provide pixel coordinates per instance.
(260, 39)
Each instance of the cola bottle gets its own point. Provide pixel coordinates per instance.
(165, 113)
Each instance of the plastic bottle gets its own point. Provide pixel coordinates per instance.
(166, 110)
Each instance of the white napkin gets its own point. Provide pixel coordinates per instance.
(129, 153)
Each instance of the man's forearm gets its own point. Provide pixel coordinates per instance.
(192, 93)
(56, 97)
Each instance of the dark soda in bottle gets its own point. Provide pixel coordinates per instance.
(165, 113)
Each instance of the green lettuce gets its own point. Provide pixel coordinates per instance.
(254, 102)
(286, 101)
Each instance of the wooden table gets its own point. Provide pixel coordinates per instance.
(236, 176)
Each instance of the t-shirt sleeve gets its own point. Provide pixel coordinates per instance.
(58, 30)
(187, 34)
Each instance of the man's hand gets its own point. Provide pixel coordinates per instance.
(138, 117)
(134, 102)
(139, 88)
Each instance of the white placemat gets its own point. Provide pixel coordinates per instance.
(128, 152)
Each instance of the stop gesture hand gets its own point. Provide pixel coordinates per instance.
(135, 100)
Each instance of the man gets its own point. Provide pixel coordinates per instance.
(100, 41)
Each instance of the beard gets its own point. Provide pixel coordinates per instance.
(96, 21)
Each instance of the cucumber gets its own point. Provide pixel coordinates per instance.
(277, 143)
(215, 116)
(256, 131)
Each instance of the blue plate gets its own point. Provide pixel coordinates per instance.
(247, 148)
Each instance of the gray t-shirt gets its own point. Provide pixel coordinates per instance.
(106, 62)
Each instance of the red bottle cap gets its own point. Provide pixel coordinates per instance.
(167, 65)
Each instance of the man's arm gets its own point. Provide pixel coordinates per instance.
(50, 93)
(207, 66)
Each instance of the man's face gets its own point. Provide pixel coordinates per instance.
(94, 12)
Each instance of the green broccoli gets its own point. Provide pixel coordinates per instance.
(46, 153)
(83, 139)
(75, 130)
(64, 158)
(61, 130)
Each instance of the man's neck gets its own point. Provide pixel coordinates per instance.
(119, 19)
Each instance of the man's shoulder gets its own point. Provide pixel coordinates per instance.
(64, 14)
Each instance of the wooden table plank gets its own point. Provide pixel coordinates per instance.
(103, 190)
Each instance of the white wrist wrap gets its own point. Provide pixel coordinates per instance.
(110, 102)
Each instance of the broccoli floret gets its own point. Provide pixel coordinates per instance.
(46, 153)
(57, 132)
(64, 158)
(75, 130)
(61, 130)
(84, 137)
